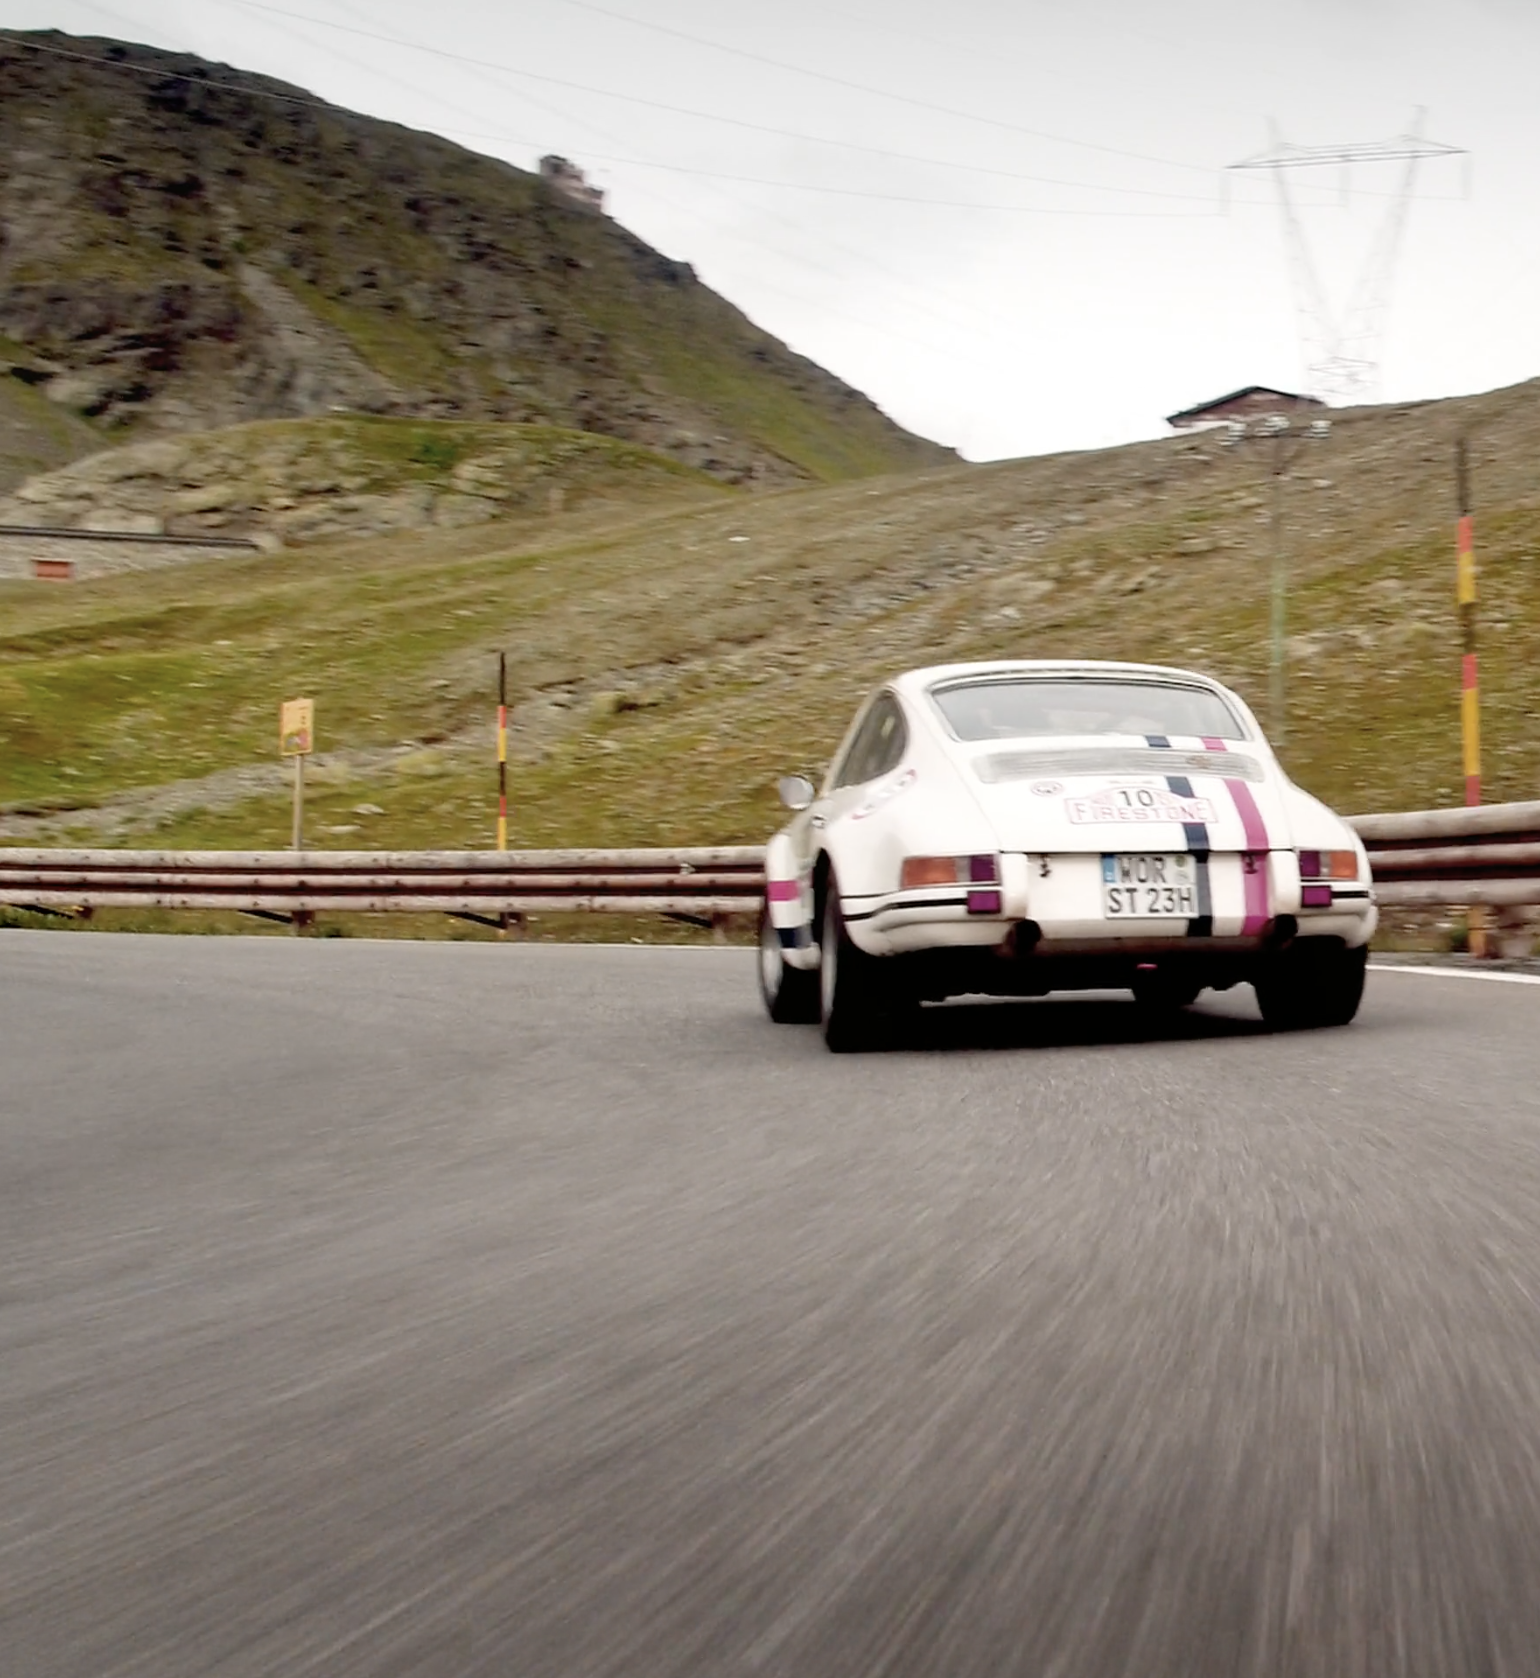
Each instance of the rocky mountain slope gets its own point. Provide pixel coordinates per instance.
(185, 246)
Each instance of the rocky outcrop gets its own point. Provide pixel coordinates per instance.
(183, 246)
(297, 481)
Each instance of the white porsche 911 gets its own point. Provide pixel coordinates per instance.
(1017, 828)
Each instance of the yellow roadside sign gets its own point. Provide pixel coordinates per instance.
(296, 727)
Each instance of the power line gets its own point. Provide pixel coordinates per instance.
(486, 73)
(161, 73)
(105, 11)
(867, 24)
(731, 122)
(679, 110)
(482, 66)
(881, 93)
(617, 158)
(904, 198)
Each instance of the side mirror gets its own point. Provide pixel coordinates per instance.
(796, 791)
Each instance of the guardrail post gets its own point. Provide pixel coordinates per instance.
(1512, 934)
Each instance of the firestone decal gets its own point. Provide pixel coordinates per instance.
(1138, 804)
(884, 795)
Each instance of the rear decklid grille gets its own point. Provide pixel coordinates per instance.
(1099, 761)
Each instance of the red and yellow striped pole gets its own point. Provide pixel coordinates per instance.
(1470, 687)
(1465, 594)
(502, 751)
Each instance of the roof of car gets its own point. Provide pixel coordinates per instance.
(930, 676)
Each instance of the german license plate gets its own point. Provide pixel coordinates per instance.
(1149, 885)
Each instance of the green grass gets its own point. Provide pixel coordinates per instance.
(410, 355)
(663, 674)
(829, 448)
(37, 435)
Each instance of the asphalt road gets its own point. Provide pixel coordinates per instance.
(425, 1310)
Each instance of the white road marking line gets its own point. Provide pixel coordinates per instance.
(1456, 973)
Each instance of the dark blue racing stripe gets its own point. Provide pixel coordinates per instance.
(1200, 925)
(1196, 833)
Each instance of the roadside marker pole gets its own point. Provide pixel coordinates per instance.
(296, 739)
(1470, 687)
(502, 751)
(506, 922)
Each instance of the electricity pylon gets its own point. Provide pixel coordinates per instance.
(1341, 350)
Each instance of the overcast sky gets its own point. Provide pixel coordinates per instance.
(1008, 223)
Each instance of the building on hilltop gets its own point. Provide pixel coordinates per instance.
(1250, 402)
(567, 179)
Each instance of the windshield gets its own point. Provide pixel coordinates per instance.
(1033, 707)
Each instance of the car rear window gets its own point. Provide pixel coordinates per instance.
(1034, 707)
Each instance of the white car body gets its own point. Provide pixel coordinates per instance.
(1057, 811)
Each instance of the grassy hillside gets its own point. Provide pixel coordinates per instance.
(667, 665)
(188, 246)
(35, 434)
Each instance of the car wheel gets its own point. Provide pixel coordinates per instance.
(847, 984)
(1161, 993)
(1303, 989)
(791, 996)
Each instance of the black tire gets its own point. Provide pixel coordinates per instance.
(1161, 993)
(791, 996)
(850, 1000)
(1305, 988)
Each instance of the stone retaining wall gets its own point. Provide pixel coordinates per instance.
(90, 558)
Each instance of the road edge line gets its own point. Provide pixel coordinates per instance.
(1455, 973)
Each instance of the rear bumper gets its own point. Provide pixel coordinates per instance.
(1017, 967)
(1253, 904)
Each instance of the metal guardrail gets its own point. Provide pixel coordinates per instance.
(64, 533)
(701, 882)
(1488, 855)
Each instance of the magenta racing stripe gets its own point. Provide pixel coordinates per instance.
(1257, 847)
(1255, 860)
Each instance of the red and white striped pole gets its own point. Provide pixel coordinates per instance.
(502, 751)
(1470, 687)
